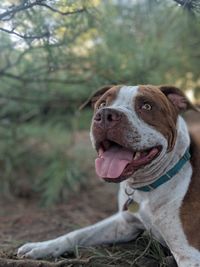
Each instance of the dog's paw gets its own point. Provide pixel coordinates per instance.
(39, 250)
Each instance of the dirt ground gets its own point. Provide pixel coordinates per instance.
(23, 220)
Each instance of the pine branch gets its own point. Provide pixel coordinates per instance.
(190, 5)
(44, 80)
(11, 11)
(60, 12)
(24, 36)
(26, 4)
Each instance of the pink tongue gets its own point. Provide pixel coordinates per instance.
(113, 162)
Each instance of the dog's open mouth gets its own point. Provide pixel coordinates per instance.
(116, 163)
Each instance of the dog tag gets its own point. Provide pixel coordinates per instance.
(131, 206)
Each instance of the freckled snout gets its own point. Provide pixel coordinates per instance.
(107, 118)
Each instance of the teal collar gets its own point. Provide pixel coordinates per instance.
(167, 176)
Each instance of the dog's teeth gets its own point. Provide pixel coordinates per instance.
(100, 152)
(137, 155)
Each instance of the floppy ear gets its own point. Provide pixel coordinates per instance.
(95, 96)
(178, 98)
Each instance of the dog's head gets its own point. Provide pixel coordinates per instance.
(133, 127)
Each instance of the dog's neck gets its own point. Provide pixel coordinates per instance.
(165, 161)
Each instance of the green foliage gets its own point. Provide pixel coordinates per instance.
(147, 43)
(61, 175)
(54, 53)
(53, 161)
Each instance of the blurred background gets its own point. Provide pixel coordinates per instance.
(54, 53)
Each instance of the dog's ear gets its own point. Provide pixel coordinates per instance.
(178, 98)
(90, 102)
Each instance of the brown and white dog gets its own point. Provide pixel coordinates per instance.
(144, 143)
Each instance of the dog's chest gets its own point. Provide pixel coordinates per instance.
(159, 209)
(153, 216)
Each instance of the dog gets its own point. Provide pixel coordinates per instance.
(144, 144)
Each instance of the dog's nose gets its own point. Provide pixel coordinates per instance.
(107, 118)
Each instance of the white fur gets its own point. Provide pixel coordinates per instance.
(159, 209)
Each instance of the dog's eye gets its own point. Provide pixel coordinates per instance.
(146, 106)
(103, 104)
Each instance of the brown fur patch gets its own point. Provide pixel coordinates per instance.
(108, 97)
(190, 209)
(95, 96)
(162, 116)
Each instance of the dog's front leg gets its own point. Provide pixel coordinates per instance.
(120, 227)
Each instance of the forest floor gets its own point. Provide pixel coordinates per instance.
(23, 220)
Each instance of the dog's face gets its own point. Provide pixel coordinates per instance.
(133, 127)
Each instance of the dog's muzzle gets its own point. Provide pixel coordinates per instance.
(107, 118)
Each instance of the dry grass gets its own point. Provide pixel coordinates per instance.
(143, 252)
